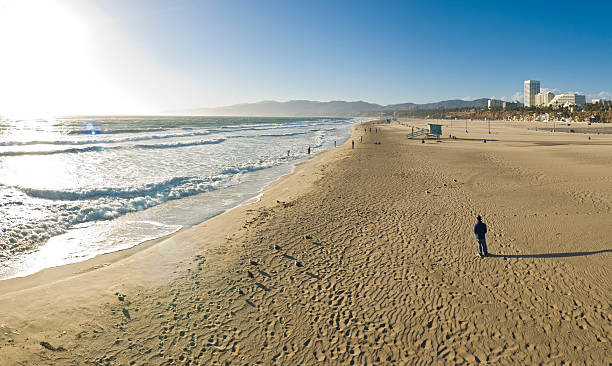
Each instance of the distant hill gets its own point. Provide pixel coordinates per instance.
(308, 108)
(297, 108)
(446, 104)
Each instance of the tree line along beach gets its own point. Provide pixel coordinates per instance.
(347, 261)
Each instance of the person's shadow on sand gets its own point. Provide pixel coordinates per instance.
(549, 255)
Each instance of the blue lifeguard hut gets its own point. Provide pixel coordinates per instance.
(434, 131)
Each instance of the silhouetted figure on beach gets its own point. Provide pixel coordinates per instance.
(370, 129)
(480, 229)
(334, 143)
(288, 152)
(352, 144)
(308, 150)
(360, 139)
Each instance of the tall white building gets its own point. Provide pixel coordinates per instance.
(532, 87)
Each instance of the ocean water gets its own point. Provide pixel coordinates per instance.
(72, 188)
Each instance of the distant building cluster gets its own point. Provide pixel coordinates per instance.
(535, 98)
(492, 103)
(603, 102)
(495, 103)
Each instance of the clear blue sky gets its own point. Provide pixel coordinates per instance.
(181, 54)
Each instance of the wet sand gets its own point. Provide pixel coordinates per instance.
(348, 259)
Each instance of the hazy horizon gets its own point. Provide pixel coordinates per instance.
(88, 57)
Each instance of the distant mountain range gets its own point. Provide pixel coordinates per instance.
(308, 108)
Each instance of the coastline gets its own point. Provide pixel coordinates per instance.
(156, 262)
(105, 257)
(55, 222)
(369, 268)
(58, 273)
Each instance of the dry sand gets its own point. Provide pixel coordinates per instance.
(387, 273)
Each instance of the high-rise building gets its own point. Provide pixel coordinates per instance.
(532, 87)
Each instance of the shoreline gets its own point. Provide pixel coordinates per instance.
(104, 259)
(48, 276)
(94, 283)
(347, 259)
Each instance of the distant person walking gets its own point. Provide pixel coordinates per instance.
(309, 150)
(352, 144)
(480, 229)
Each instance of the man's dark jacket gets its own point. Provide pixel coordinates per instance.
(480, 229)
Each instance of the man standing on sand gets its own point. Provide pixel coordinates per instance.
(480, 229)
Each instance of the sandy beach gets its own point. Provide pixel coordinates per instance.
(360, 256)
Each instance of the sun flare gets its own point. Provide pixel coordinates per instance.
(50, 64)
(46, 48)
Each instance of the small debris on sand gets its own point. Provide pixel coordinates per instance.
(126, 313)
(50, 347)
